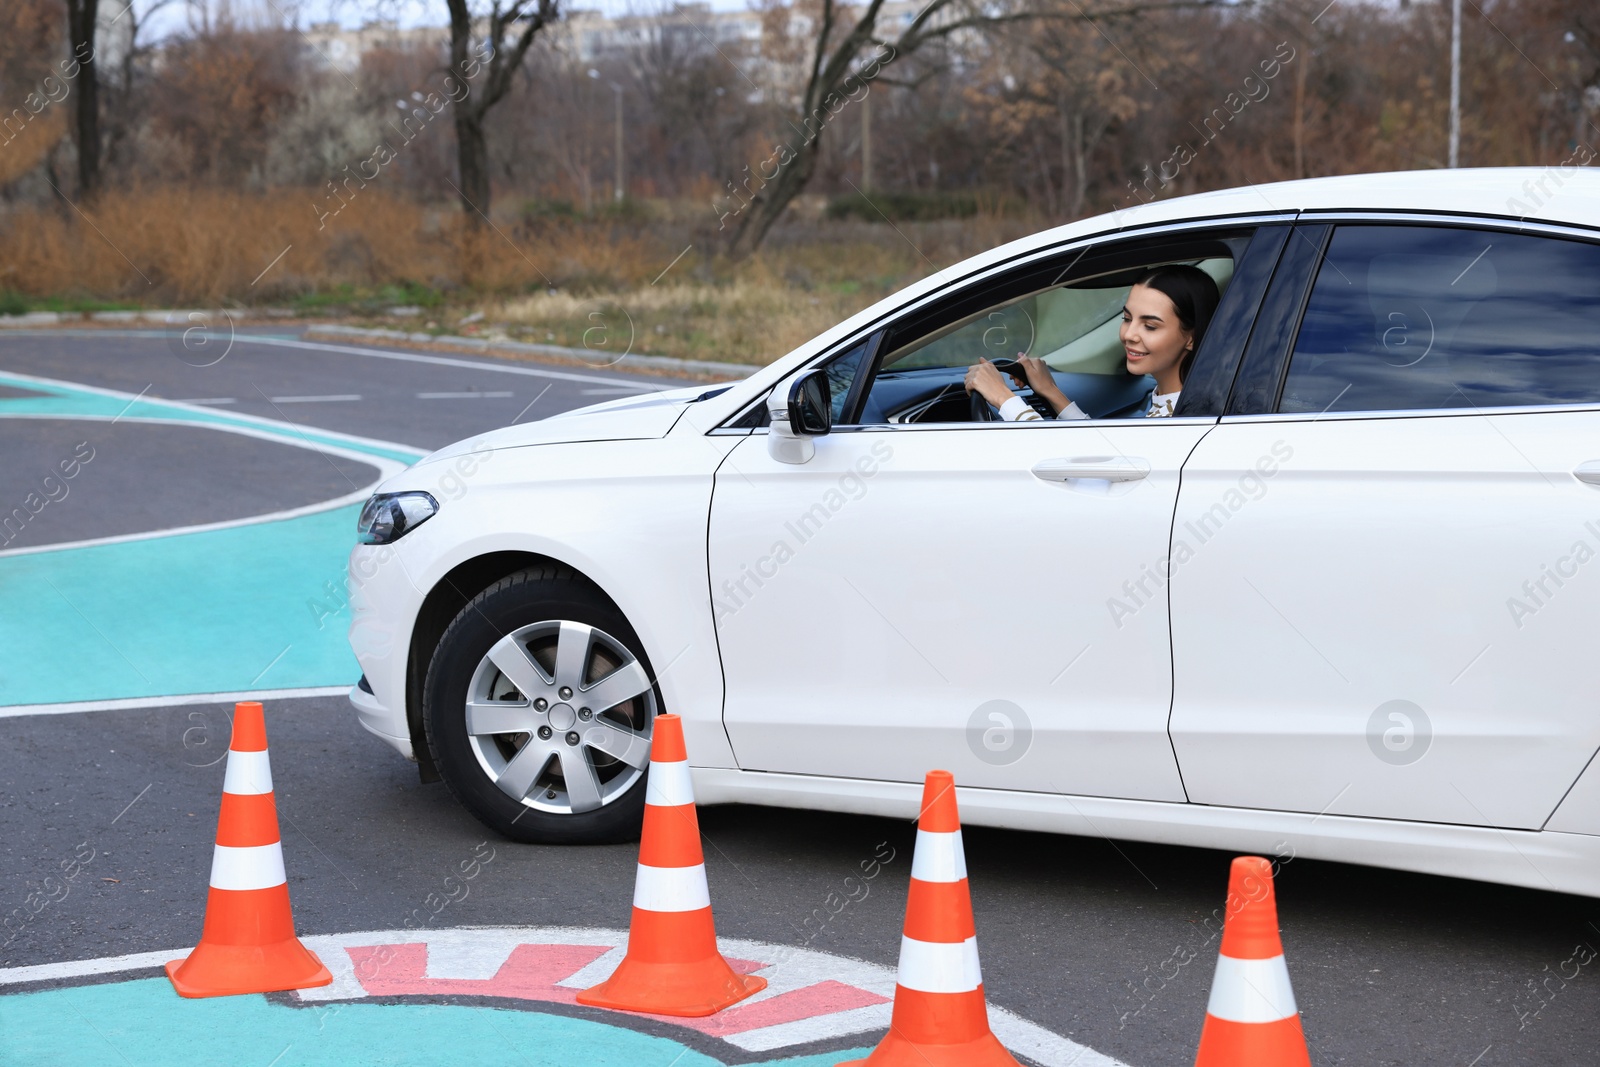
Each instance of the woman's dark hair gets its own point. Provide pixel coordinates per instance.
(1193, 293)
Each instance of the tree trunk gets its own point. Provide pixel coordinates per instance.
(770, 202)
(472, 160)
(81, 17)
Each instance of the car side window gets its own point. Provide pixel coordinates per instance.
(1423, 317)
(1075, 327)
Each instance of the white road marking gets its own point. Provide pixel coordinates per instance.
(181, 700)
(499, 394)
(328, 399)
(588, 975)
(46, 972)
(478, 953)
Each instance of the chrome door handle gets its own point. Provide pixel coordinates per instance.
(1588, 472)
(1105, 468)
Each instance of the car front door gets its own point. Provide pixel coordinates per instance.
(977, 596)
(1387, 589)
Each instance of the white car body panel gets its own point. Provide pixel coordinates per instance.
(1579, 812)
(1374, 565)
(892, 606)
(624, 491)
(626, 418)
(642, 540)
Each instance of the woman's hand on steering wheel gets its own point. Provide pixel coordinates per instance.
(1037, 375)
(1042, 382)
(985, 380)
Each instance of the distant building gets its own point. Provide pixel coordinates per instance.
(340, 48)
(742, 37)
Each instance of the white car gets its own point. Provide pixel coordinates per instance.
(1340, 605)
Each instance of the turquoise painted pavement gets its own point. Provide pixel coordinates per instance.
(144, 1022)
(255, 606)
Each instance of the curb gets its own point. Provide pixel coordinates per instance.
(545, 353)
(160, 316)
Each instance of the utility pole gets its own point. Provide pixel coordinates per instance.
(1455, 83)
(619, 183)
(866, 142)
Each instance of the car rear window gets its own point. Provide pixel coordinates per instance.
(1409, 317)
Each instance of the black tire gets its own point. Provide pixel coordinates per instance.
(531, 596)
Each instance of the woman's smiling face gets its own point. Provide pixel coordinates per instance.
(1153, 339)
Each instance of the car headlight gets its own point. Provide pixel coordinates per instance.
(387, 517)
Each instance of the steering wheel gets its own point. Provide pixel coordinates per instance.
(980, 408)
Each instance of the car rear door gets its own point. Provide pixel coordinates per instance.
(1387, 583)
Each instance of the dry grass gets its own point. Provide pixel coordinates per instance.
(167, 246)
(807, 279)
(573, 283)
(752, 318)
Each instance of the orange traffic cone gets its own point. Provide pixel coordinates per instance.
(247, 944)
(1251, 1019)
(940, 1016)
(672, 966)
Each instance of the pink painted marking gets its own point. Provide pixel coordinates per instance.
(531, 972)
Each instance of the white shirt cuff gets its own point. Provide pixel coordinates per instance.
(1072, 411)
(1017, 410)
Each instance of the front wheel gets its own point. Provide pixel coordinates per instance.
(538, 706)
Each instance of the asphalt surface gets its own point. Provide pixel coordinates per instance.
(426, 399)
(1081, 935)
(205, 477)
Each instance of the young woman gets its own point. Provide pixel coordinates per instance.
(1166, 315)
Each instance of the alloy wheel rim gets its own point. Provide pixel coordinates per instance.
(559, 716)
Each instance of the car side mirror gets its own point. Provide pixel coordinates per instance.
(805, 412)
(811, 404)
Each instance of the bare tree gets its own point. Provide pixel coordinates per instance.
(124, 103)
(840, 70)
(690, 84)
(500, 62)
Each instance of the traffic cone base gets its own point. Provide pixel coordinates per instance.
(244, 960)
(671, 966)
(700, 988)
(1280, 1044)
(897, 1051)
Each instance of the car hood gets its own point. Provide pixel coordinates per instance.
(625, 418)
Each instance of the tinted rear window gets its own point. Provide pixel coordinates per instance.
(1404, 317)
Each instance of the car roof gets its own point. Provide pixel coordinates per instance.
(1569, 195)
